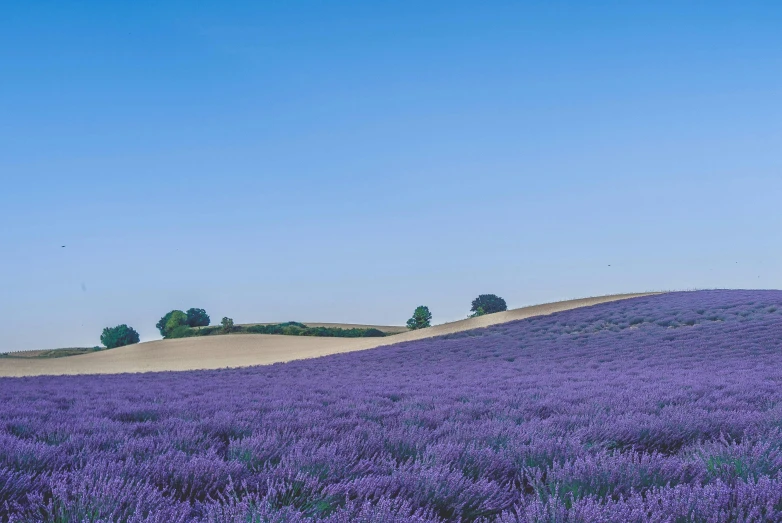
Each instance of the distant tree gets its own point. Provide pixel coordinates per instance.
(118, 336)
(228, 325)
(488, 304)
(171, 321)
(162, 324)
(177, 319)
(197, 318)
(421, 318)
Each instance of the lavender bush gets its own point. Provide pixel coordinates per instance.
(664, 408)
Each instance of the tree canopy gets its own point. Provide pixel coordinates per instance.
(118, 336)
(228, 324)
(488, 304)
(197, 318)
(171, 321)
(421, 318)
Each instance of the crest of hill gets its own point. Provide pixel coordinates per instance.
(244, 350)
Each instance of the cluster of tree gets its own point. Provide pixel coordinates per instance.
(118, 336)
(483, 304)
(176, 324)
(195, 322)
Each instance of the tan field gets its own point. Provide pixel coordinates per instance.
(243, 350)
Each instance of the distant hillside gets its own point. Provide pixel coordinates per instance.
(214, 352)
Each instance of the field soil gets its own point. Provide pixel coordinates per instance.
(243, 350)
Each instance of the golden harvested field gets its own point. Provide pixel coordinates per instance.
(242, 350)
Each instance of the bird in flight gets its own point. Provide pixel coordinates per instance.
(62, 245)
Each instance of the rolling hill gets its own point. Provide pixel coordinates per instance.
(259, 349)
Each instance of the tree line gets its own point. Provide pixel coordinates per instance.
(195, 322)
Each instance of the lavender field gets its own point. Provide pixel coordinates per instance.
(663, 408)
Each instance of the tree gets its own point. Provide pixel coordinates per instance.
(177, 319)
(421, 318)
(228, 325)
(197, 318)
(478, 312)
(118, 336)
(171, 321)
(488, 304)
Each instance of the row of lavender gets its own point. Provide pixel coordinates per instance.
(664, 408)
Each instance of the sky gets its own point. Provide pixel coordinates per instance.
(349, 161)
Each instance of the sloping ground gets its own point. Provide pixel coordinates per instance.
(659, 409)
(51, 353)
(215, 352)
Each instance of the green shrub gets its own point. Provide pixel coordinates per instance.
(197, 318)
(182, 331)
(293, 328)
(421, 318)
(316, 331)
(119, 336)
(488, 304)
(228, 325)
(264, 329)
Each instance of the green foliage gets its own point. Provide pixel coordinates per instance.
(264, 329)
(197, 317)
(293, 328)
(488, 304)
(165, 325)
(478, 312)
(289, 328)
(421, 318)
(182, 331)
(161, 324)
(118, 336)
(228, 325)
(176, 319)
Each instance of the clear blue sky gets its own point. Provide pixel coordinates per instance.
(347, 161)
